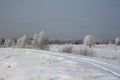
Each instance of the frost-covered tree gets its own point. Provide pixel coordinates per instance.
(89, 40)
(21, 42)
(40, 40)
(35, 41)
(117, 42)
(9, 43)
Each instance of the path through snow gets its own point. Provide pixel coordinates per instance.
(26, 64)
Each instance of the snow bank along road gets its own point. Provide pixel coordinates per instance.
(113, 69)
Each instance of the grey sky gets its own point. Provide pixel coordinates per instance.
(60, 19)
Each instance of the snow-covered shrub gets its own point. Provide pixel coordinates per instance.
(83, 50)
(52, 60)
(9, 43)
(40, 40)
(89, 41)
(21, 42)
(87, 74)
(87, 51)
(67, 48)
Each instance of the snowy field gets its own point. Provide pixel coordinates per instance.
(108, 54)
(105, 53)
(28, 64)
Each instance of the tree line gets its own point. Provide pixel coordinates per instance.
(40, 41)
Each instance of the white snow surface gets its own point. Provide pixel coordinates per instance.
(105, 53)
(28, 64)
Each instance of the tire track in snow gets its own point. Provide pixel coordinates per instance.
(114, 70)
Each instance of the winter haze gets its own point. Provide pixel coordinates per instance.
(60, 19)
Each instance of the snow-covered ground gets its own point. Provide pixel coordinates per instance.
(105, 53)
(28, 64)
(108, 54)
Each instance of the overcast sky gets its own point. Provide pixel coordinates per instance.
(60, 19)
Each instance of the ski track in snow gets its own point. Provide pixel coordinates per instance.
(114, 70)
